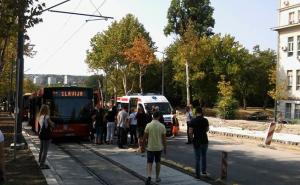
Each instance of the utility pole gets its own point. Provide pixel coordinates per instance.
(19, 78)
(21, 4)
(188, 98)
(162, 74)
(11, 85)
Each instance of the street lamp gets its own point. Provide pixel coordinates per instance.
(162, 72)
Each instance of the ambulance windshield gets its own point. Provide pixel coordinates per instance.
(164, 107)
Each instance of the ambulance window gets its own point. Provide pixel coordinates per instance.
(141, 106)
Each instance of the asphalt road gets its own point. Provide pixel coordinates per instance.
(248, 163)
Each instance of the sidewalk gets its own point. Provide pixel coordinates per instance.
(137, 163)
(63, 170)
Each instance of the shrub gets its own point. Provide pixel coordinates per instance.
(227, 108)
(227, 105)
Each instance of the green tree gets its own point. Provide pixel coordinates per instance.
(141, 54)
(29, 86)
(10, 10)
(181, 12)
(107, 52)
(227, 105)
(265, 65)
(92, 81)
(244, 79)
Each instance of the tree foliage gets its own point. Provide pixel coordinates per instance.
(227, 105)
(183, 12)
(209, 58)
(29, 86)
(141, 54)
(107, 52)
(16, 15)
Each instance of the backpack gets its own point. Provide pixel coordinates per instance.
(45, 133)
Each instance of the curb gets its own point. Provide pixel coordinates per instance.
(48, 173)
(253, 137)
(189, 171)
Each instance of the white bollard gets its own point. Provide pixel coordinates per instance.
(270, 133)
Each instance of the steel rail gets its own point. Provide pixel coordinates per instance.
(118, 164)
(88, 169)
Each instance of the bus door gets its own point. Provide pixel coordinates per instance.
(133, 103)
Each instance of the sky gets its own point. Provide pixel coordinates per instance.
(61, 40)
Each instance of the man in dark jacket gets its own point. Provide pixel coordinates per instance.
(199, 128)
(98, 117)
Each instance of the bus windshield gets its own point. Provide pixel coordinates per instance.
(70, 109)
(164, 107)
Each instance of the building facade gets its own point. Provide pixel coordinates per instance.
(51, 81)
(288, 64)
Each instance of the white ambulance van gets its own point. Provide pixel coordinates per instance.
(147, 101)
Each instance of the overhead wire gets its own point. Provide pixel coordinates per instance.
(66, 41)
(69, 17)
(95, 7)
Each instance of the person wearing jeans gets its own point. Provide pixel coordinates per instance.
(44, 134)
(200, 157)
(132, 126)
(110, 118)
(188, 116)
(198, 132)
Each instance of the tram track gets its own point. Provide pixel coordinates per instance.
(116, 163)
(88, 169)
(75, 151)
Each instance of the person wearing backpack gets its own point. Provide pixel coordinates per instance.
(46, 126)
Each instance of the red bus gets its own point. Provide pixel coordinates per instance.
(70, 109)
(25, 113)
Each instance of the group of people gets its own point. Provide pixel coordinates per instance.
(103, 124)
(107, 121)
(197, 128)
(145, 130)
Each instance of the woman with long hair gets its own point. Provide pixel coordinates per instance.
(46, 126)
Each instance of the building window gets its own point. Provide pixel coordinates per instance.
(297, 111)
(288, 110)
(289, 79)
(290, 46)
(298, 80)
(291, 17)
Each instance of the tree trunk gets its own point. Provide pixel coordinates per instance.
(188, 98)
(124, 82)
(3, 54)
(101, 92)
(265, 102)
(244, 102)
(115, 94)
(140, 80)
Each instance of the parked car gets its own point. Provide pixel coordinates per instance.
(283, 121)
(258, 116)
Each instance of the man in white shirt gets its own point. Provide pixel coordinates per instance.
(122, 120)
